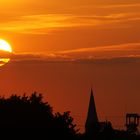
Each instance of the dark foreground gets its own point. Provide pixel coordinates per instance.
(28, 117)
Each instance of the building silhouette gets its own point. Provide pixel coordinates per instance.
(92, 123)
(94, 127)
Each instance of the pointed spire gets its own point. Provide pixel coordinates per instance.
(92, 118)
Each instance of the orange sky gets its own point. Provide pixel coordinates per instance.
(62, 47)
(45, 26)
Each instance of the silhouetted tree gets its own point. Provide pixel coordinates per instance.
(64, 125)
(30, 116)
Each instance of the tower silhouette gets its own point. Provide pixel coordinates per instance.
(132, 123)
(92, 124)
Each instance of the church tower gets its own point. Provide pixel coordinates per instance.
(92, 123)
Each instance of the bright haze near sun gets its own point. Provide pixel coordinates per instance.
(5, 50)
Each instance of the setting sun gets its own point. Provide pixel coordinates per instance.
(5, 46)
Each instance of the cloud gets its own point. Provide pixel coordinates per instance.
(127, 5)
(44, 24)
(123, 53)
(38, 57)
(108, 5)
(122, 50)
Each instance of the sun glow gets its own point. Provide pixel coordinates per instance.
(5, 46)
(5, 50)
(3, 61)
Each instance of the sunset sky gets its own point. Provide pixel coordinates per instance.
(62, 48)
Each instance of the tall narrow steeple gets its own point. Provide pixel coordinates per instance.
(92, 123)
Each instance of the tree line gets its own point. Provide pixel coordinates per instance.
(29, 117)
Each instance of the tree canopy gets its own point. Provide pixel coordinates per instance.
(31, 116)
